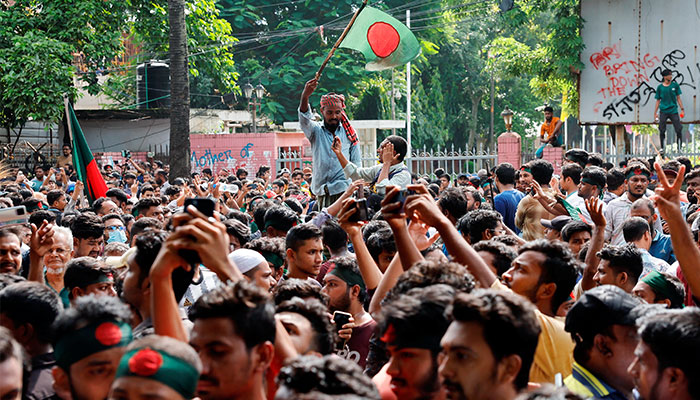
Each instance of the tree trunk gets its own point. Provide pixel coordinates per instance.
(179, 92)
(476, 100)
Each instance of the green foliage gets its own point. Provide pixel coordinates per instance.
(429, 126)
(35, 73)
(554, 60)
(210, 45)
(37, 42)
(294, 39)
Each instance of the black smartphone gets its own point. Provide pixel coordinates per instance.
(362, 213)
(206, 207)
(341, 318)
(403, 194)
(253, 186)
(202, 204)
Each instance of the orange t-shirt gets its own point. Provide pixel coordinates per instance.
(547, 129)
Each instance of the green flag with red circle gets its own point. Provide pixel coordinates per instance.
(384, 40)
(84, 163)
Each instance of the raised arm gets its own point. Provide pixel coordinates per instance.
(308, 89)
(668, 203)
(595, 209)
(394, 215)
(335, 208)
(40, 243)
(389, 279)
(368, 268)
(136, 166)
(164, 308)
(426, 209)
(210, 241)
(388, 157)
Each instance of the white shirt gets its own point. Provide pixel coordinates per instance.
(400, 176)
(617, 212)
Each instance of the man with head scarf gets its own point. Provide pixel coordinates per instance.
(329, 180)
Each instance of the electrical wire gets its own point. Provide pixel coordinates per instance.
(287, 34)
(433, 26)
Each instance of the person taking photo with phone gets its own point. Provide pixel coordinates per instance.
(329, 181)
(347, 293)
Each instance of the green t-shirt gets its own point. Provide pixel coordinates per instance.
(668, 95)
(63, 294)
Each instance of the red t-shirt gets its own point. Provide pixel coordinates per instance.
(358, 344)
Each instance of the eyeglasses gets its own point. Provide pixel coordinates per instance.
(116, 228)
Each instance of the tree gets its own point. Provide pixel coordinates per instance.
(38, 42)
(179, 92)
(553, 59)
(430, 120)
(293, 39)
(210, 41)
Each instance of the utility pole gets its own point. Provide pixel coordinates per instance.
(490, 143)
(393, 101)
(408, 95)
(179, 92)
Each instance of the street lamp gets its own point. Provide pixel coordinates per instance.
(260, 91)
(248, 90)
(252, 93)
(507, 115)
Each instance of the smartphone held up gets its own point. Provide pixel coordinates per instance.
(362, 213)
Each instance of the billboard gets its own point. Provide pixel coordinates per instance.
(628, 44)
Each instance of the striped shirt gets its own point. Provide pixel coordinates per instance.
(584, 383)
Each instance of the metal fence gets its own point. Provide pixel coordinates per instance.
(422, 161)
(28, 156)
(616, 159)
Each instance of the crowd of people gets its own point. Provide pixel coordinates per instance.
(349, 282)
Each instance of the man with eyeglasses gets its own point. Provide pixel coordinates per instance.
(483, 225)
(115, 230)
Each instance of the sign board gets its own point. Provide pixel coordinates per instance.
(628, 44)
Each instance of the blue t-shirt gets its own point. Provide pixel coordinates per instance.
(506, 204)
(661, 248)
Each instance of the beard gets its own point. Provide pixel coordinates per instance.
(432, 382)
(332, 124)
(343, 304)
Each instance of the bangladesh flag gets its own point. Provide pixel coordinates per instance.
(384, 40)
(85, 165)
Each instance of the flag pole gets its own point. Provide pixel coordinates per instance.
(69, 121)
(340, 39)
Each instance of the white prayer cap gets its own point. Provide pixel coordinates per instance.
(246, 259)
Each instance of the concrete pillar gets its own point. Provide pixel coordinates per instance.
(368, 143)
(554, 155)
(509, 148)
